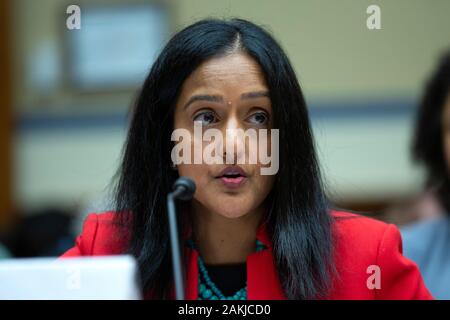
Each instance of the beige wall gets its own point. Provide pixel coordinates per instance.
(332, 50)
(334, 53)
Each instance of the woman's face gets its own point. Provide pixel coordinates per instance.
(226, 93)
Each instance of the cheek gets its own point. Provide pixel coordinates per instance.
(263, 184)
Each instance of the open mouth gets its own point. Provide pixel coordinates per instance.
(232, 177)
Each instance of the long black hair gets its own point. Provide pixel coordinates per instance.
(299, 221)
(428, 146)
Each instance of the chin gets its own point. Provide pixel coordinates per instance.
(231, 207)
(232, 214)
(227, 205)
(227, 208)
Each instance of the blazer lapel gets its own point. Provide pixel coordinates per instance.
(262, 276)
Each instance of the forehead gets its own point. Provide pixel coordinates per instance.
(235, 70)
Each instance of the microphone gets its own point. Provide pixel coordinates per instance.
(183, 189)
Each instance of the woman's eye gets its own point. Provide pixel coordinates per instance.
(259, 118)
(206, 117)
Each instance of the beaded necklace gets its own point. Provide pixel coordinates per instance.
(207, 289)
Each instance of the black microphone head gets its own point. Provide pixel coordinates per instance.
(187, 186)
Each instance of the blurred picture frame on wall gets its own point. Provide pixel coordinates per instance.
(115, 45)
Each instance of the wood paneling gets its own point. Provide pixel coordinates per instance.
(6, 123)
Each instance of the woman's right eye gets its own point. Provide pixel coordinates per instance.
(206, 117)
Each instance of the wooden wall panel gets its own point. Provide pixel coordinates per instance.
(6, 117)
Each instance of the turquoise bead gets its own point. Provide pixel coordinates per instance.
(207, 294)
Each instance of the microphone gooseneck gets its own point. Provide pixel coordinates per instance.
(183, 189)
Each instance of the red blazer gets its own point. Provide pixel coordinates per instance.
(360, 243)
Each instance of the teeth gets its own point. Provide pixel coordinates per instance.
(232, 174)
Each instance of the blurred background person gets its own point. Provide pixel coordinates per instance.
(45, 233)
(427, 241)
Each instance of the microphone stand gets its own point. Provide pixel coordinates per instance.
(175, 245)
(183, 189)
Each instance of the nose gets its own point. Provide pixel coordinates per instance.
(234, 151)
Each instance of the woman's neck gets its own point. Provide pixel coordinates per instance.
(222, 240)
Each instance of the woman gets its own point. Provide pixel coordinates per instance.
(427, 241)
(246, 235)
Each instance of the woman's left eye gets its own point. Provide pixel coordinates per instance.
(258, 118)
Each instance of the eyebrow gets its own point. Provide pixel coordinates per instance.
(255, 94)
(215, 98)
(203, 97)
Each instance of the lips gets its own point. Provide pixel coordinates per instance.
(232, 177)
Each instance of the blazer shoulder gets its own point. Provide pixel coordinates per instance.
(102, 234)
(356, 225)
(356, 239)
(364, 243)
(357, 234)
